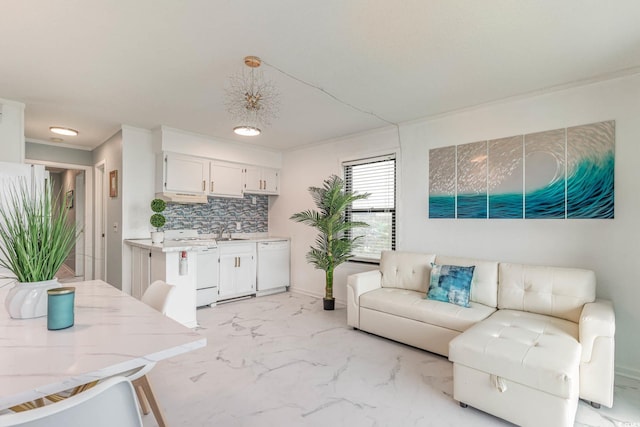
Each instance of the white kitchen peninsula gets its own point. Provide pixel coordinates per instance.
(162, 261)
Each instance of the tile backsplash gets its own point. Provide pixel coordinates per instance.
(220, 212)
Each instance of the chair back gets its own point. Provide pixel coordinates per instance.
(158, 295)
(110, 403)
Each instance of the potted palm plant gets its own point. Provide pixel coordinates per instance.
(35, 239)
(333, 244)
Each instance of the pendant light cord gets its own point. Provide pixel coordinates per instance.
(335, 98)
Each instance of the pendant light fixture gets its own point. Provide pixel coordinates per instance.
(251, 100)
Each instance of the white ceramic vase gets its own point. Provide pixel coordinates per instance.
(157, 236)
(28, 300)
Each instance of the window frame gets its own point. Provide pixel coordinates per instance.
(394, 211)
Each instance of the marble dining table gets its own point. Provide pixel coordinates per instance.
(113, 332)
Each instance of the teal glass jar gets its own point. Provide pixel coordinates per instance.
(60, 303)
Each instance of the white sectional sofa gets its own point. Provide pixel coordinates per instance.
(532, 341)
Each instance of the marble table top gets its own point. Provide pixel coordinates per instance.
(113, 333)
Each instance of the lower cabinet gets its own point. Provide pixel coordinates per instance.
(140, 271)
(148, 265)
(237, 270)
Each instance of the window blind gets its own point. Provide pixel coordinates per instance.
(377, 176)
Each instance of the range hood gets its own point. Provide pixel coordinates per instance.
(182, 198)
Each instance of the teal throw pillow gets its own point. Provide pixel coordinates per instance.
(450, 283)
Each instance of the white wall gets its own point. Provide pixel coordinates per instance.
(11, 131)
(138, 171)
(111, 152)
(309, 167)
(609, 247)
(52, 153)
(179, 141)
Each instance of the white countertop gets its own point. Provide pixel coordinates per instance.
(174, 246)
(113, 333)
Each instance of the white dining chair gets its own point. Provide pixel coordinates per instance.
(112, 402)
(158, 295)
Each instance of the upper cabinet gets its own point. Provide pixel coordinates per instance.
(185, 174)
(197, 176)
(225, 179)
(259, 180)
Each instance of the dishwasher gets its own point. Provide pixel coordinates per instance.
(207, 277)
(273, 267)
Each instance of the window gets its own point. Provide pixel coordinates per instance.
(377, 176)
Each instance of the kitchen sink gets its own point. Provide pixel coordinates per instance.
(230, 239)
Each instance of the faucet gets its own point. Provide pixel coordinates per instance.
(222, 230)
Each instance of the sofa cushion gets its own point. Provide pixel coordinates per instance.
(538, 351)
(554, 291)
(450, 283)
(484, 286)
(412, 305)
(406, 270)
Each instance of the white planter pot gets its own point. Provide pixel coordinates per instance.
(29, 300)
(157, 236)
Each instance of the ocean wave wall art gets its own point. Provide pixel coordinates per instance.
(563, 173)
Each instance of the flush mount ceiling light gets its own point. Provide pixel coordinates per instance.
(251, 100)
(63, 131)
(246, 130)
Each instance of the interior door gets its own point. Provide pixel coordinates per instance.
(80, 225)
(99, 223)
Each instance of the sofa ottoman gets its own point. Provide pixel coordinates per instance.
(510, 365)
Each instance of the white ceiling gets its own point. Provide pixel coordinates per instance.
(94, 65)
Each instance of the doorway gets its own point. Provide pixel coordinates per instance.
(73, 186)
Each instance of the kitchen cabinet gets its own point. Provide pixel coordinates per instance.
(225, 179)
(150, 263)
(259, 180)
(184, 174)
(140, 271)
(237, 270)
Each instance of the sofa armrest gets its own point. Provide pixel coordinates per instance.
(358, 284)
(596, 332)
(597, 320)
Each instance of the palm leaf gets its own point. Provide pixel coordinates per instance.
(332, 247)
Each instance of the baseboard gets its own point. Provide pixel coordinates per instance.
(627, 372)
(314, 295)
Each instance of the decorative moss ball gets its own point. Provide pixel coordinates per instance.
(157, 220)
(158, 205)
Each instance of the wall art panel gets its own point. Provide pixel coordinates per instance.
(472, 180)
(556, 174)
(505, 177)
(442, 182)
(545, 174)
(590, 170)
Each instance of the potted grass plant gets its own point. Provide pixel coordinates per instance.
(333, 244)
(36, 237)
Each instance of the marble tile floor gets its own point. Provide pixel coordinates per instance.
(281, 360)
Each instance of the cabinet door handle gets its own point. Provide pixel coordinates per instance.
(265, 184)
(204, 185)
(239, 259)
(212, 186)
